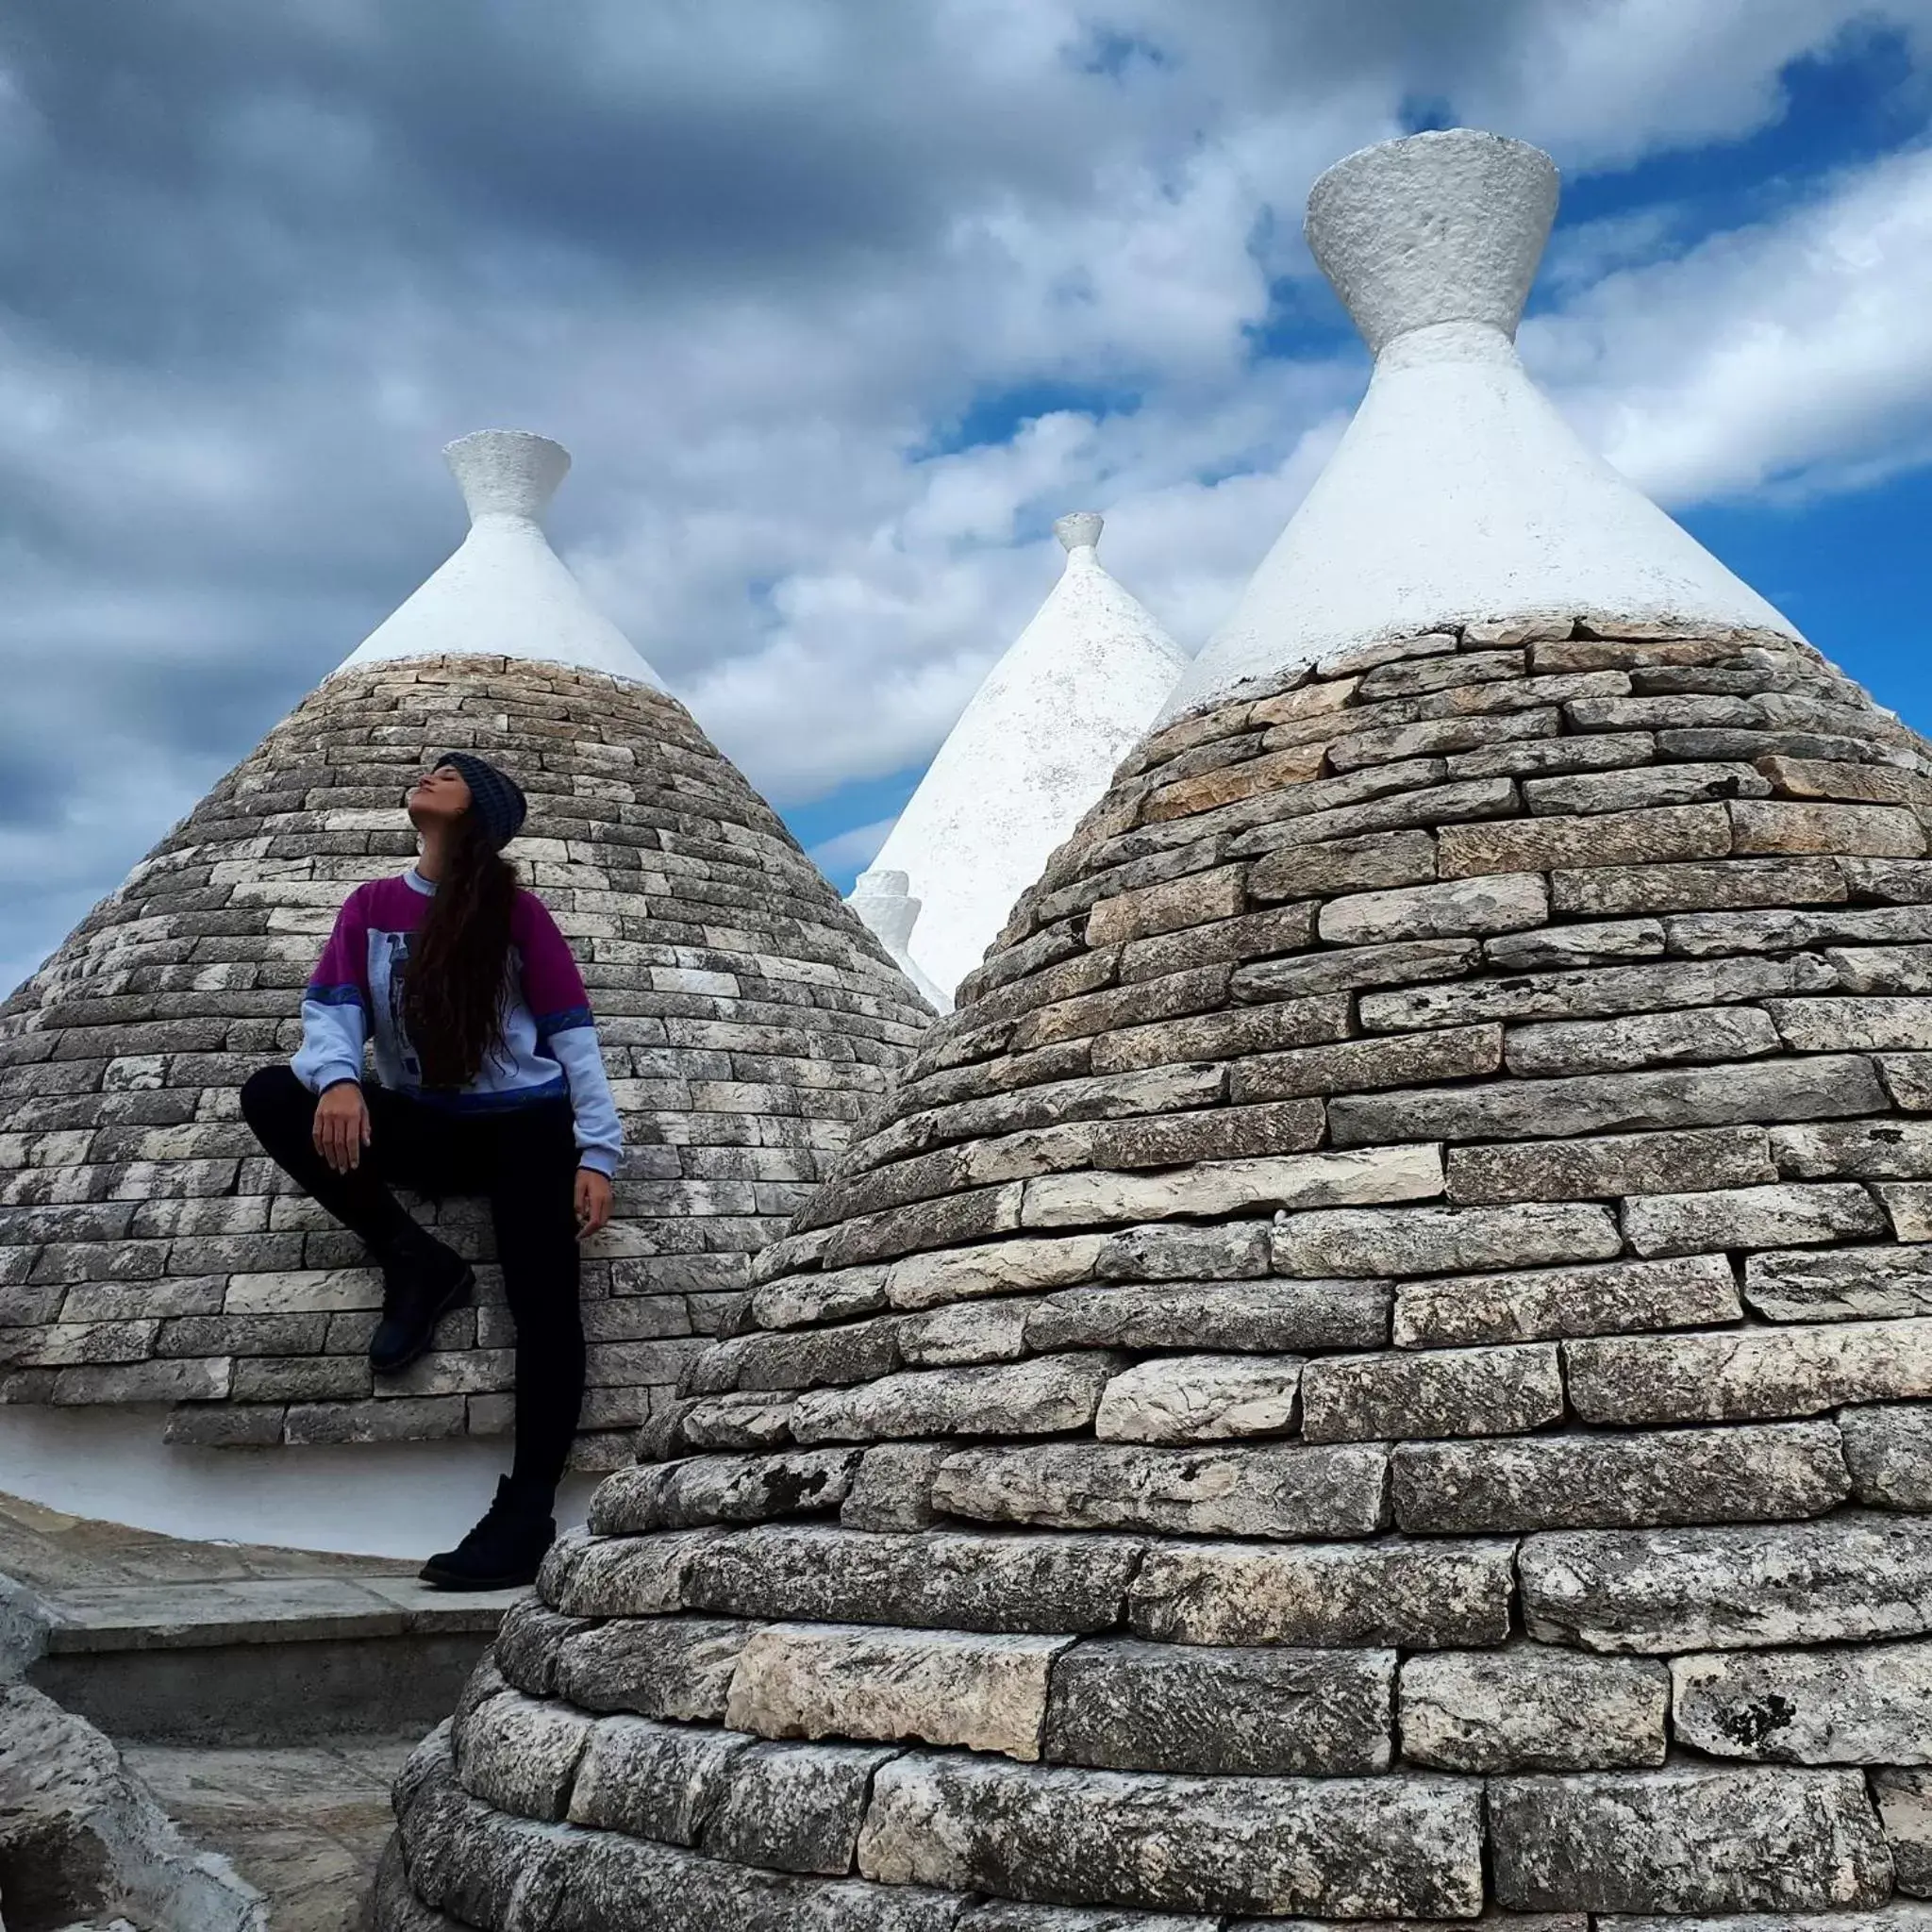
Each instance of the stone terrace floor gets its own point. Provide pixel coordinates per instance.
(303, 1825)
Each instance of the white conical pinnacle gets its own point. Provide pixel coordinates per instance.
(1078, 530)
(1459, 494)
(882, 899)
(507, 471)
(1440, 228)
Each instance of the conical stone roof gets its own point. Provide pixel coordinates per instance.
(1376, 1368)
(150, 1254)
(1030, 753)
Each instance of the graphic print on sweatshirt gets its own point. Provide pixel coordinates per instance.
(548, 1044)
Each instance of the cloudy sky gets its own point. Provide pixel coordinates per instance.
(839, 303)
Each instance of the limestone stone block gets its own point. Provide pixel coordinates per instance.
(1288, 1181)
(926, 1282)
(1784, 1214)
(1840, 1025)
(1123, 1704)
(1166, 1253)
(1648, 785)
(1864, 1705)
(1385, 1847)
(1201, 1398)
(1453, 908)
(653, 1780)
(1690, 1839)
(1225, 1032)
(527, 1642)
(1416, 1594)
(1041, 1397)
(1625, 838)
(520, 1754)
(721, 1489)
(1250, 1315)
(1864, 1150)
(964, 1334)
(1874, 831)
(1527, 1708)
(1252, 936)
(1217, 1134)
(1464, 1392)
(1905, 1809)
(893, 1490)
(1288, 1491)
(1841, 1284)
(1739, 1092)
(1440, 1240)
(1558, 947)
(1881, 969)
(938, 1579)
(800, 1300)
(736, 1421)
(1347, 970)
(1368, 862)
(620, 1575)
(1909, 1206)
(1003, 1915)
(1640, 1039)
(850, 1352)
(1607, 1298)
(1194, 900)
(1589, 992)
(1738, 1375)
(1908, 1080)
(1889, 1449)
(1848, 1579)
(1360, 1066)
(1699, 885)
(665, 1667)
(936, 1686)
(1620, 1481)
(793, 1808)
(1608, 1166)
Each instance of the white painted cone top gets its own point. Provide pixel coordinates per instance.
(506, 592)
(1459, 494)
(883, 900)
(1031, 752)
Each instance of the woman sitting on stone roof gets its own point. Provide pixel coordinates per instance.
(488, 1080)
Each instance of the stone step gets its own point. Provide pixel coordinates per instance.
(272, 1660)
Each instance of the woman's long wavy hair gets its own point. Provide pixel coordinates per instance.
(459, 960)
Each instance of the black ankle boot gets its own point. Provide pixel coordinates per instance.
(504, 1551)
(422, 1281)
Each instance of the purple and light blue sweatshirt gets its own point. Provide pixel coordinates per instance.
(549, 1043)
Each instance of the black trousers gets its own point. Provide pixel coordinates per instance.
(525, 1162)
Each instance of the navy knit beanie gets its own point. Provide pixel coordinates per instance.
(495, 797)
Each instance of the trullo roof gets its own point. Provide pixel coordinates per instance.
(1032, 751)
(149, 1254)
(1376, 1368)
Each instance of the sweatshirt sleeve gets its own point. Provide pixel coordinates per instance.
(335, 1006)
(553, 992)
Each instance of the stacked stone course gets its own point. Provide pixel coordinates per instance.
(1379, 1367)
(149, 1253)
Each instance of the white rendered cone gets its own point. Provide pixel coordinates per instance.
(1034, 749)
(506, 592)
(1459, 494)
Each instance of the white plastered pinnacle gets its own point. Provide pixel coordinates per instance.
(883, 900)
(1459, 494)
(506, 592)
(1031, 752)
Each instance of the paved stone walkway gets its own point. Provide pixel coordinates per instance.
(304, 1822)
(304, 1827)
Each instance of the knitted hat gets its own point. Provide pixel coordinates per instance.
(495, 797)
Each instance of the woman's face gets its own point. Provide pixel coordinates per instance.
(439, 797)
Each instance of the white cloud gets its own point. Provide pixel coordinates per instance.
(851, 850)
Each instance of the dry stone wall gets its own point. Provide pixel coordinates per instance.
(149, 1253)
(1379, 1367)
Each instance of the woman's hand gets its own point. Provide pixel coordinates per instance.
(341, 1126)
(593, 1201)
